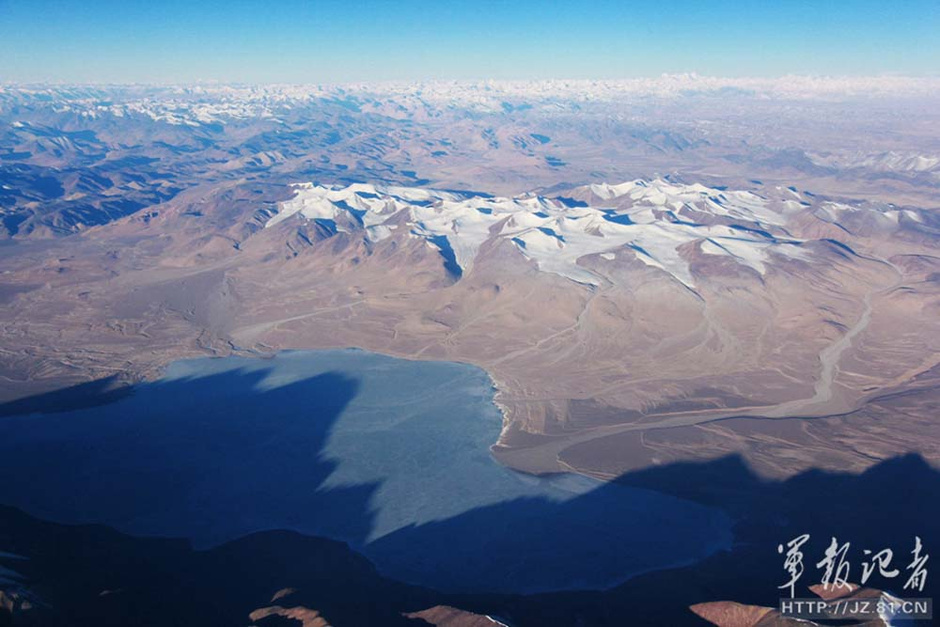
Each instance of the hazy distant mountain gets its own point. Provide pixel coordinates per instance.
(75, 157)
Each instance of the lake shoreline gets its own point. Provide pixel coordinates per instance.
(401, 482)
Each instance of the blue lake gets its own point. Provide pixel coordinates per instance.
(389, 455)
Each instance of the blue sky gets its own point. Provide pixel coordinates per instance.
(353, 40)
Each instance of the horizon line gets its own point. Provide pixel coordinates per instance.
(666, 76)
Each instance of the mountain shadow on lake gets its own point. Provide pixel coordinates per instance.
(208, 458)
(158, 581)
(388, 455)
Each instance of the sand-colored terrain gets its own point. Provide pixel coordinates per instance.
(790, 313)
(812, 358)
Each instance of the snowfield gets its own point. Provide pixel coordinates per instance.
(650, 220)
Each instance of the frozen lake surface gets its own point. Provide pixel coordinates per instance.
(389, 455)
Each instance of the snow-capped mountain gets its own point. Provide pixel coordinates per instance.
(890, 161)
(652, 221)
(72, 157)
